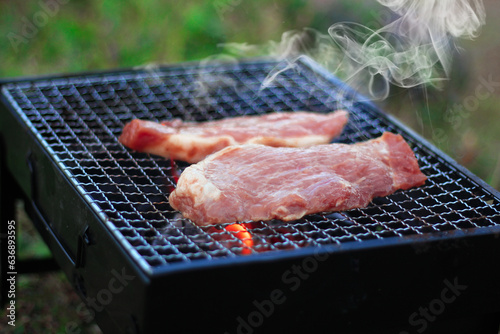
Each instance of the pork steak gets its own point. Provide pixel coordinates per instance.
(257, 182)
(192, 142)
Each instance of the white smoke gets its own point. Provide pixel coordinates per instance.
(415, 48)
(460, 18)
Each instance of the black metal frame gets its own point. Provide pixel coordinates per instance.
(10, 193)
(368, 287)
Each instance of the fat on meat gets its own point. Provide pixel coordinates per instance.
(257, 182)
(192, 142)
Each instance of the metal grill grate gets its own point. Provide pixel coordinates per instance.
(78, 119)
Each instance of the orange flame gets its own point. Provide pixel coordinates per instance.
(242, 233)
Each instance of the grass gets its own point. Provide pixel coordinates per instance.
(79, 35)
(46, 302)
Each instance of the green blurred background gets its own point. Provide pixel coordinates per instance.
(66, 36)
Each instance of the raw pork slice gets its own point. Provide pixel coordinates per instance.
(191, 142)
(256, 182)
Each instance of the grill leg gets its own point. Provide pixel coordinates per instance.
(8, 194)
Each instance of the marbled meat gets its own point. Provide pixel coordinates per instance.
(192, 142)
(257, 182)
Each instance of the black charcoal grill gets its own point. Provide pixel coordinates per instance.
(421, 260)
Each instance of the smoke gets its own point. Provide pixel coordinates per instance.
(415, 48)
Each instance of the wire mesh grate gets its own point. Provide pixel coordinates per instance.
(79, 119)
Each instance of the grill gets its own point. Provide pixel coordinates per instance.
(142, 267)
